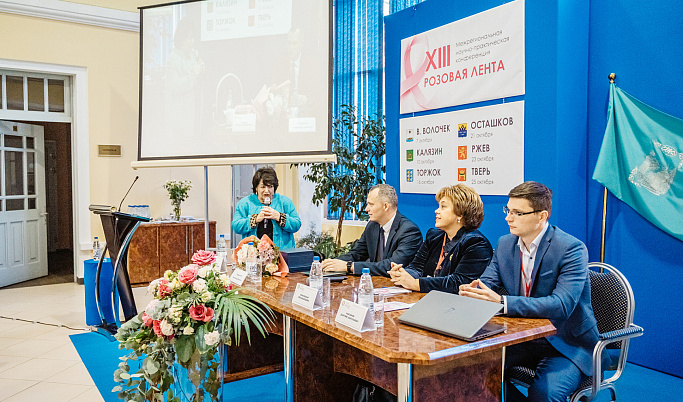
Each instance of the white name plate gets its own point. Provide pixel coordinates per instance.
(307, 297)
(238, 276)
(355, 316)
(220, 264)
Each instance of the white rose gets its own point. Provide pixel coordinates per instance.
(152, 287)
(188, 331)
(212, 338)
(168, 274)
(242, 254)
(166, 328)
(225, 279)
(206, 296)
(204, 271)
(176, 284)
(199, 285)
(175, 313)
(271, 268)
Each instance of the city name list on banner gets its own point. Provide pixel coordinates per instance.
(482, 148)
(477, 58)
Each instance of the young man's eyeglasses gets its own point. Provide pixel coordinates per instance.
(517, 214)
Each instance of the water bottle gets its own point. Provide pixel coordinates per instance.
(366, 296)
(96, 249)
(221, 247)
(252, 265)
(315, 279)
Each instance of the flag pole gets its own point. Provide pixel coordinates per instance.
(604, 219)
(611, 77)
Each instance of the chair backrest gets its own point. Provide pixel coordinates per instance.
(611, 298)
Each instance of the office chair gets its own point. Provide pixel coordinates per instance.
(613, 306)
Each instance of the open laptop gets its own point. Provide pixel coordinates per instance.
(457, 316)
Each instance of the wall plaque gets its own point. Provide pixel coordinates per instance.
(109, 150)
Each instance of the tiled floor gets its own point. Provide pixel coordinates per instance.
(38, 362)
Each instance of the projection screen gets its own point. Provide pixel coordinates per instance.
(235, 79)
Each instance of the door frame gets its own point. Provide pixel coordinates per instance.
(80, 158)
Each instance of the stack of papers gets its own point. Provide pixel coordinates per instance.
(396, 305)
(391, 291)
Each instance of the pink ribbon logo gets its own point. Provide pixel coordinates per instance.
(410, 85)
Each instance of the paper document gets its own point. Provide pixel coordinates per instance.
(396, 305)
(391, 291)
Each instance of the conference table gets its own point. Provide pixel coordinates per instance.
(323, 359)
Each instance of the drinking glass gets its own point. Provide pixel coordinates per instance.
(254, 272)
(379, 310)
(326, 292)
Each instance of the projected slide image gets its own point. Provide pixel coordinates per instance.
(235, 77)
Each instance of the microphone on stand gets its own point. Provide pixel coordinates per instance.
(266, 202)
(124, 197)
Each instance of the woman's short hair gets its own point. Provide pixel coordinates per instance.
(466, 203)
(269, 177)
(539, 196)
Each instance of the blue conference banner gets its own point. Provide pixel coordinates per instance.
(641, 160)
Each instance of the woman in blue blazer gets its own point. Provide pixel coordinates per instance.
(454, 252)
(266, 212)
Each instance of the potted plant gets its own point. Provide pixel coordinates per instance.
(322, 243)
(177, 342)
(345, 184)
(177, 193)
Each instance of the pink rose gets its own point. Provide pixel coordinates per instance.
(164, 290)
(147, 320)
(156, 325)
(200, 312)
(188, 274)
(264, 246)
(228, 287)
(203, 257)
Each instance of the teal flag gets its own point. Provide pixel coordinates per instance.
(641, 160)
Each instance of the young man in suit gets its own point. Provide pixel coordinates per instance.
(545, 273)
(388, 237)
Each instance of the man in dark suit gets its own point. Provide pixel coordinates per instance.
(545, 274)
(388, 237)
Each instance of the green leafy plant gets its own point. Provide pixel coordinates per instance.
(345, 184)
(323, 243)
(177, 193)
(193, 314)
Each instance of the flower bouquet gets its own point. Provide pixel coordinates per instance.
(177, 340)
(265, 251)
(177, 193)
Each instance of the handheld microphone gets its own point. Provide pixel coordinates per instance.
(266, 202)
(124, 197)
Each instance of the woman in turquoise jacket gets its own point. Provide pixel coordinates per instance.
(266, 212)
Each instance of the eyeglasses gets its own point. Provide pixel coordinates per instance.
(517, 214)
